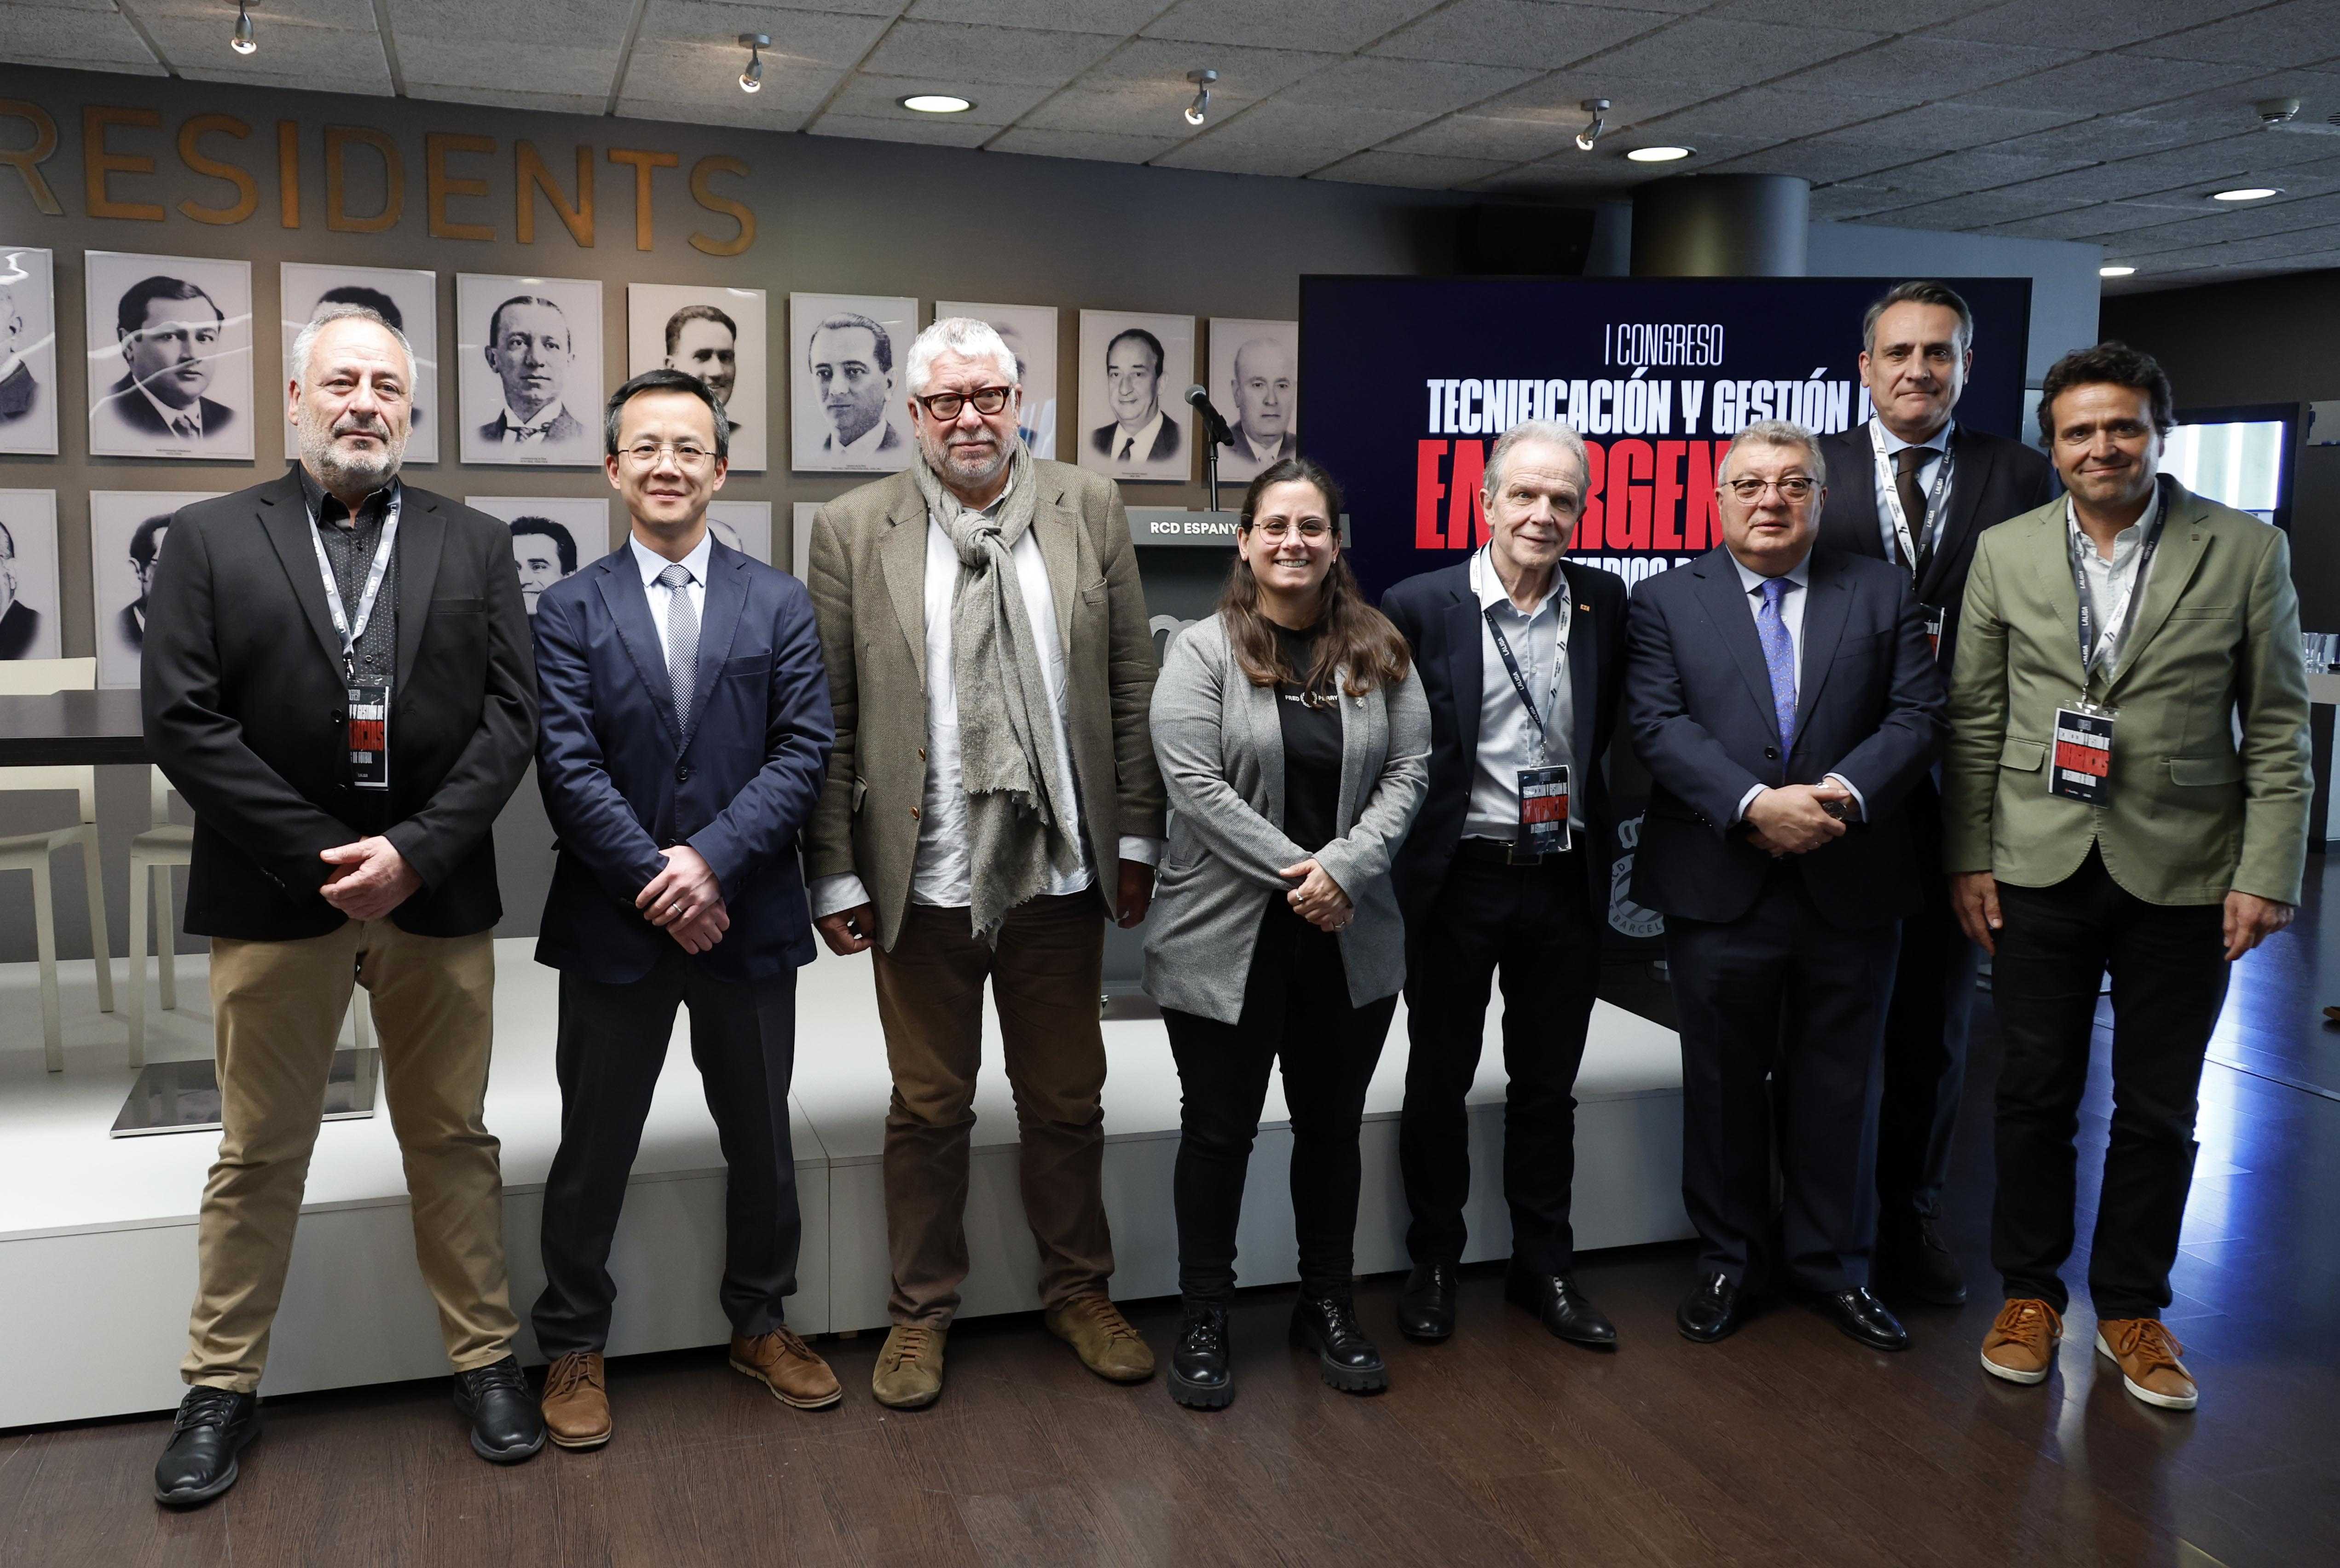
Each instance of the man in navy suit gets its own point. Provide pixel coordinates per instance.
(1786, 703)
(686, 735)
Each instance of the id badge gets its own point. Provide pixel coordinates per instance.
(1543, 813)
(2079, 765)
(1936, 616)
(367, 733)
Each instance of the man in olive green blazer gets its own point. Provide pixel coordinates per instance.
(2194, 855)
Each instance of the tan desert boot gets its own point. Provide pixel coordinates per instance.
(577, 1401)
(1103, 1338)
(787, 1366)
(2148, 1355)
(909, 1373)
(2021, 1344)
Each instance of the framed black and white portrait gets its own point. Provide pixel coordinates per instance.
(1255, 383)
(1030, 334)
(128, 532)
(745, 525)
(528, 354)
(29, 612)
(847, 401)
(407, 300)
(552, 535)
(28, 352)
(169, 356)
(715, 335)
(1134, 372)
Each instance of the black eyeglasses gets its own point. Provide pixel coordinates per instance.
(947, 406)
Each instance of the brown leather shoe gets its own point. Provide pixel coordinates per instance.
(576, 1401)
(1103, 1338)
(2021, 1344)
(909, 1373)
(2147, 1354)
(787, 1366)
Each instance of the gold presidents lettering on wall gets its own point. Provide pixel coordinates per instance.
(210, 168)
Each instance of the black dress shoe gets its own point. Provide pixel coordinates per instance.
(213, 1424)
(1562, 1308)
(1715, 1310)
(1200, 1378)
(1917, 1265)
(1865, 1318)
(1327, 1325)
(507, 1425)
(1425, 1307)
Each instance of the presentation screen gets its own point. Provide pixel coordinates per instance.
(1406, 383)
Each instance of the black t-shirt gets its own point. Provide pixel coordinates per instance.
(1312, 746)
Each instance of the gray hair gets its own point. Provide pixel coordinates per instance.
(1559, 433)
(1777, 432)
(306, 339)
(962, 335)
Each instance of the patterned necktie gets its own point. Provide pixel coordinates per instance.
(1780, 659)
(1906, 464)
(681, 642)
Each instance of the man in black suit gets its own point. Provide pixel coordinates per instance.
(1141, 432)
(337, 678)
(1480, 895)
(168, 330)
(1916, 487)
(1785, 702)
(19, 621)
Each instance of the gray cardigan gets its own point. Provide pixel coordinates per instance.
(1220, 741)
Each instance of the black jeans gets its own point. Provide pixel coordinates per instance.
(611, 1045)
(1535, 925)
(2170, 969)
(1296, 1010)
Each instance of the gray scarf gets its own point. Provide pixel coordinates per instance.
(1020, 810)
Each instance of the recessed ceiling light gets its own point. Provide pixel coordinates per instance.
(938, 103)
(2114, 271)
(1659, 154)
(2245, 194)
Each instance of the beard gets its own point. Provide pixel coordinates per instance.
(340, 469)
(970, 465)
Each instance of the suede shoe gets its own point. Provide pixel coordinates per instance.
(1200, 1377)
(1562, 1308)
(575, 1402)
(1425, 1307)
(2021, 1344)
(507, 1426)
(909, 1372)
(212, 1427)
(2147, 1354)
(1103, 1339)
(1327, 1325)
(787, 1366)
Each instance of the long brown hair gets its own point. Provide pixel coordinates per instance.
(1357, 639)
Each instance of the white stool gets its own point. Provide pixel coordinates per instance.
(31, 852)
(153, 853)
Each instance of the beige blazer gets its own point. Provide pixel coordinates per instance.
(869, 578)
(2195, 812)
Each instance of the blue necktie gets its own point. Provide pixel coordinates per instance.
(1780, 659)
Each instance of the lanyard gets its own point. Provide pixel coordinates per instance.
(350, 634)
(1892, 493)
(2124, 611)
(1520, 682)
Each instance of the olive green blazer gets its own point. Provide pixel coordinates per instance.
(2195, 812)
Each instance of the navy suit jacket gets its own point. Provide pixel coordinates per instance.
(1870, 707)
(1439, 617)
(621, 781)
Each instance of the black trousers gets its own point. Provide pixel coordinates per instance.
(1535, 926)
(612, 1043)
(1295, 1011)
(1782, 993)
(2168, 967)
(1924, 1053)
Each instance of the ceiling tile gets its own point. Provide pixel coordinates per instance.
(1764, 113)
(1016, 56)
(879, 98)
(288, 49)
(2271, 248)
(1945, 127)
(376, 85)
(2101, 137)
(1481, 135)
(1245, 74)
(2079, 223)
(516, 98)
(1825, 164)
(452, 61)
(2107, 83)
(2296, 34)
(1877, 16)
(1853, 201)
(740, 110)
(1336, 26)
(48, 34)
(820, 37)
(1631, 99)
(1980, 170)
(2087, 24)
(925, 129)
(1144, 110)
(709, 73)
(349, 15)
(1412, 169)
(1972, 211)
(1518, 32)
(1102, 146)
(1728, 53)
(1277, 137)
(1431, 87)
(1901, 68)
(579, 24)
(1118, 17)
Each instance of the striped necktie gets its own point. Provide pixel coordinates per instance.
(681, 642)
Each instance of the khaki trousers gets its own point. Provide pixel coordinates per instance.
(276, 1009)
(1044, 976)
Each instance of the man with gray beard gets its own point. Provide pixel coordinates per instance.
(337, 678)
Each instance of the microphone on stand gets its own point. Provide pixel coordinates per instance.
(1215, 425)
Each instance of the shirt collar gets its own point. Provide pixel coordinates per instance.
(1142, 449)
(325, 508)
(543, 421)
(869, 442)
(2127, 540)
(1750, 580)
(192, 414)
(1938, 441)
(649, 562)
(1487, 583)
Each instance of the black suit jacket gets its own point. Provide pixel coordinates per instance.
(1166, 440)
(243, 698)
(1870, 706)
(1992, 479)
(17, 630)
(1440, 618)
(137, 410)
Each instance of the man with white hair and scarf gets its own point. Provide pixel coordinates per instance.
(992, 800)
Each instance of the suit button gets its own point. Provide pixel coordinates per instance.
(914, 810)
(334, 717)
(682, 773)
(922, 754)
(1771, 753)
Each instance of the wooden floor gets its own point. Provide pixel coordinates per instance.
(1786, 1445)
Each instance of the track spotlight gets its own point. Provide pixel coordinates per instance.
(1599, 109)
(1201, 107)
(751, 80)
(242, 43)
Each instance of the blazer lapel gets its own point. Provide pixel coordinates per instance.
(1466, 671)
(902, 556)
(1828, 598)
(1060, 548)
(1970, 466)
(1726, 609)
(1583, 680)
(284, 518)
(2175, 560)
(726, 596)
(2051, 562)
(421, 536)
(620, 586)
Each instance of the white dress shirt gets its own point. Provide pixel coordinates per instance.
(1507, 737)
(650, 563)
(2108, 578)
(1138, 448)
(1937, 445)
(1791, 616)
(192, 414)
(516, 428)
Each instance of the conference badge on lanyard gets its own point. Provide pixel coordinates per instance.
(1543, 791)
(365, 722)
(2080, 762)
(368, 731)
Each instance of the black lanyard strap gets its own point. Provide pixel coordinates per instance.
(2126, 608)
(1520, 682)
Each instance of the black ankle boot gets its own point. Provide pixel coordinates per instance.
(1199, 1374)
(1327, 1324)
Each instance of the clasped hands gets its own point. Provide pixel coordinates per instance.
(1793, 819)
(1316, 897)
(685, 901)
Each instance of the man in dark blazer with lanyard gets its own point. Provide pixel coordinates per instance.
(1520, 654)
(686, 733)
(1913, 486)
(336, 677)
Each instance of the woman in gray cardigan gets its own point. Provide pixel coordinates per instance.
(1294, 742)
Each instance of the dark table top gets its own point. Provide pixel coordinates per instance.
(71, 727)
